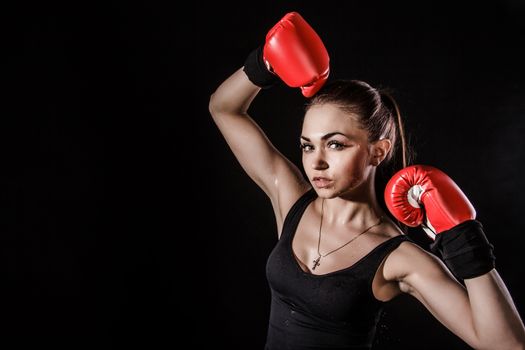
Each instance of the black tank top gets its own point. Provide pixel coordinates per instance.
(336, 310)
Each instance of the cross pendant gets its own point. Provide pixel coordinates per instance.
(316, 262)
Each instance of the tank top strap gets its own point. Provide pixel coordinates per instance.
(296, 212)
(381, 251)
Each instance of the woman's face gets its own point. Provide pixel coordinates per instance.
(336, 151)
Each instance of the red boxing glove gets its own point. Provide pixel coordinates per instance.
(423, 195)
(295, 53)
(444, 204)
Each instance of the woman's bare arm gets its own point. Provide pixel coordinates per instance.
(483, 314)
(279, 178)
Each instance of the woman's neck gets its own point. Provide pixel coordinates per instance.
(357, 207)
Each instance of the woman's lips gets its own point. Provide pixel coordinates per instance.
(321, 182)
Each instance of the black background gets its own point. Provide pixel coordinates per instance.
(126, 221)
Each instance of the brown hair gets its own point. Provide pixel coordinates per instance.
(376, 110)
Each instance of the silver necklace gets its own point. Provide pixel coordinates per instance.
(316, 262)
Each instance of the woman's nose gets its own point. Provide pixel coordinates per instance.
(319, 162)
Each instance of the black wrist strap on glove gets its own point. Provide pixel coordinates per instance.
(256, 70)
(465, 250)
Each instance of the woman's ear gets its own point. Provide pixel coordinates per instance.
(380, 149)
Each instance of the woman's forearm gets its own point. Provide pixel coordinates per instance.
(234, 95)
(496, 320)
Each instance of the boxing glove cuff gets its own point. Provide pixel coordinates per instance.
(256, 70)
(465, 250)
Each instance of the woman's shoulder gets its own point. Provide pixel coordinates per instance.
(292, 201)
(388, 230)
(386, 237)
(407, 246)
(409, 257)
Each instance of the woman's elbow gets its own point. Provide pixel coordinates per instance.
(213, 104)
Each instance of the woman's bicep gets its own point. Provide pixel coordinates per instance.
(258, 157)
(425, 277)
(277, 176)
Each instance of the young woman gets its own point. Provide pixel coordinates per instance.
(339, 255)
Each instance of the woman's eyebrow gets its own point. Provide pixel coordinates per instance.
(327, 136)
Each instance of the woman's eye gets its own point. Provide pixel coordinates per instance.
(335, 145)
(306, 147)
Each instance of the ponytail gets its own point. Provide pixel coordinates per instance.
(391, 104)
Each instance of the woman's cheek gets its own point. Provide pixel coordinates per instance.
(355, 174)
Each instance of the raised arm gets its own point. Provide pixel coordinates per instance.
(294, 54)
(482, 312)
